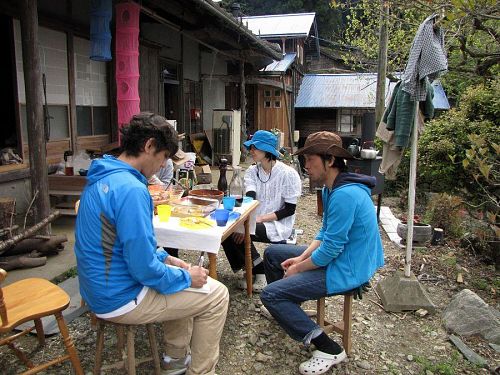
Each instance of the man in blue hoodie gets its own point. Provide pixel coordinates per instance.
(345, 254)
(123, 277)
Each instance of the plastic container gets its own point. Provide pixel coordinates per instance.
(221, 217)
(228, 203)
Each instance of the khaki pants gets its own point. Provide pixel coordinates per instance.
(189, 319)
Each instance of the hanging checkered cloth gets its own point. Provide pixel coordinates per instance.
(427, 59)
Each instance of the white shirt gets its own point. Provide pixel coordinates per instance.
(281, 185)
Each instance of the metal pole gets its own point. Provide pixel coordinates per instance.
(411, 191)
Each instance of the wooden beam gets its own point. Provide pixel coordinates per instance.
(71, 83)
(34, 110)
(249, 80)
(243, 98)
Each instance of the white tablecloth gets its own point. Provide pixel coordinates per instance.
(172, 234)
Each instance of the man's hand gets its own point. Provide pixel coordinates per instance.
(173, 261)
(290, 262)
(238, 238)
(292, 270)
(199, 276)
(259, 219)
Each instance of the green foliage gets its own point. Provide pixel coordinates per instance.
(446, 140)
(471, 36)
(447, 367)
(444, 211)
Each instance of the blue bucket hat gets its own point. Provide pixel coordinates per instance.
(264, 141)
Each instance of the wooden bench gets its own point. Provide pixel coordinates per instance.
(67, 186)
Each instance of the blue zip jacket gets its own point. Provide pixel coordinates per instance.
(115, 243)
(351, 248)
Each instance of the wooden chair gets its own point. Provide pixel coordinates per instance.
(33, 299)
(343, 327)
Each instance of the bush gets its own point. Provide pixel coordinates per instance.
(445, 211)
(445, 141)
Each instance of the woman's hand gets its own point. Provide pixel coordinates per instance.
(238, 238)
(173, 261)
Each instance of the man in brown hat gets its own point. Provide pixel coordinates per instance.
(344, 255)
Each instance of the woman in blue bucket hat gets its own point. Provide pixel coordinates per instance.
(277, 187)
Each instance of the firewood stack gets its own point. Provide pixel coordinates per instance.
(25, 249)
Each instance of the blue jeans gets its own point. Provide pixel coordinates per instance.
(282, 297)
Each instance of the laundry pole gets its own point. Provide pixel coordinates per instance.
(411, 191)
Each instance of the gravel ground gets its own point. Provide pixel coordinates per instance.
(382, 342)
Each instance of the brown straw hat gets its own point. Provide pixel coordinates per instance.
(324, 143)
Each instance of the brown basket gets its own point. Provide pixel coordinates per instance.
(208, 193)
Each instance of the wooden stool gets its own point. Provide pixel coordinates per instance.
(343, 327)
(128, 362)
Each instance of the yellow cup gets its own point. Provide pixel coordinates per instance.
(164, 211)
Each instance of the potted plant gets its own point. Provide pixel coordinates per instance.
(421, 232)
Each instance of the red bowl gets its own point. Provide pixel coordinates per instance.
(208, 193)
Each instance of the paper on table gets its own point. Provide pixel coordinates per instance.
(204, 289)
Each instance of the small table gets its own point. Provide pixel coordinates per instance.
(171, 234)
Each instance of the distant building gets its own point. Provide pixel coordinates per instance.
(338, 102)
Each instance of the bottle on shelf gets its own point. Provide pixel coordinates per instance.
(237, 186)
(222, 183)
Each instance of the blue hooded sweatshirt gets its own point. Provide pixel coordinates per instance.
(351, 248)
(115, 243)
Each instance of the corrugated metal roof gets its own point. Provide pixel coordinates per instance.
(280, 25)
(352, 90)
(281, 65)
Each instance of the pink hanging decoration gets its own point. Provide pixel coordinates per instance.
(127, 61)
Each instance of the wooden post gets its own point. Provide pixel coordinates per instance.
(382, 62)
(34, 110)
(243, 101)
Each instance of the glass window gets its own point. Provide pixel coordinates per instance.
(277, 92)
(267, 104)
(277, 104)
(83, 120)
(59, 123)
(350, 121)
(101, 120)
(267, 93)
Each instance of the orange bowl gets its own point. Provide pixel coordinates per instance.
(208, 193)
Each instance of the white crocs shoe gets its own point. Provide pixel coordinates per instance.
(321, 362)
(259, 283)
(265, 313)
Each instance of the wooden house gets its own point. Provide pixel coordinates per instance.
(180, 43)
(271, 92)
(345, 103)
